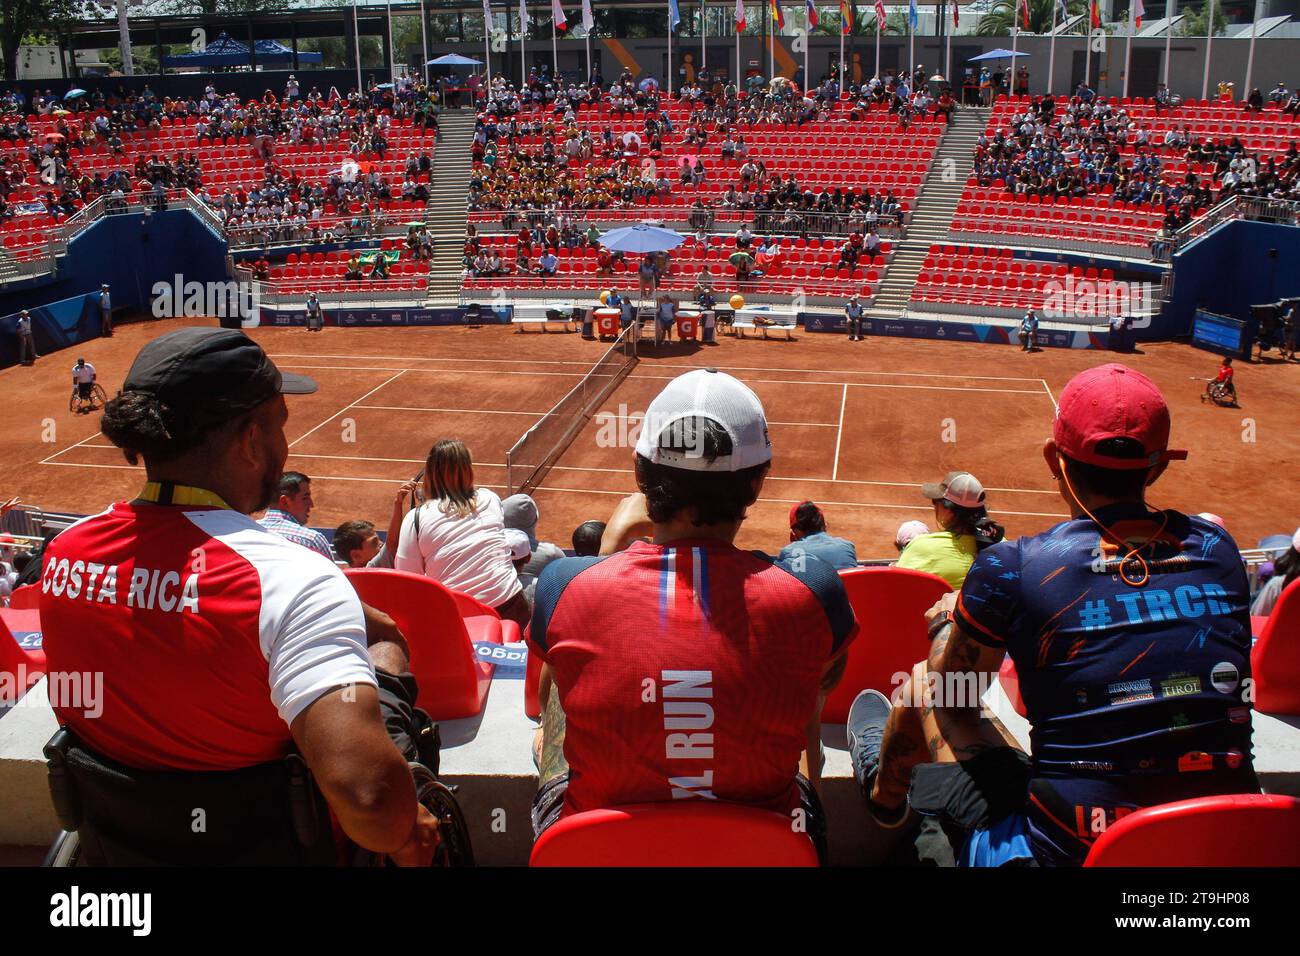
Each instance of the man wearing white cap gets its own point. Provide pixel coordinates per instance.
(684, 667)
(964, 525)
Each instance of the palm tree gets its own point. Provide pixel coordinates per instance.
(999, 20)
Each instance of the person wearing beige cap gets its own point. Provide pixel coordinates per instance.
(964, 528)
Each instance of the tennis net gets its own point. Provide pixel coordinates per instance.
(532, 456)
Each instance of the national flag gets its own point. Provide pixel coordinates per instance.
(674, 15)
(880, 15)
(913, 17)
(812, 15)
(487, 13)
(846, 16)
(956, 14)
(523, 16)
(740, 16)
(557, 14)
(778, 17)
(1094, 14)
(1025, 18)
(1139, 12)
(1063, 12)
(588, 19)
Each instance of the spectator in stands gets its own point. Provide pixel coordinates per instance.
(357, 543)
(457, 535)
(960, 511)
(1119, 693)
(1286, 568)
(809, 538)
(517, 544)
(519, 512)
(586, 538)
(907, 531)
(275, 652)
(288, 516)
(603, 626)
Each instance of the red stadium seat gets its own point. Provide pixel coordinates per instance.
(441, 628)
(26, 598)
(18, 625)
(890, 604)
(1275, 658)
(1237, 830)
(674, 834)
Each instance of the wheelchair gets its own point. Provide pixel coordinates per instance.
(272, 814)
(1220, 393)
(84, 406)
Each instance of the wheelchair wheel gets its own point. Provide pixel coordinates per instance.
(98, 397)
(1219, 395)
(64, 851)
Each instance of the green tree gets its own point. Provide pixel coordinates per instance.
(18, 18)
(1194, 22)
(999, 20)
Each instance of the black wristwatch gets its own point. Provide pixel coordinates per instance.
(940, 621)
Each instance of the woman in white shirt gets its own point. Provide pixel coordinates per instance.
(457, 537)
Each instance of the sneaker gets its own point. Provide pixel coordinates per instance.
(866, 733)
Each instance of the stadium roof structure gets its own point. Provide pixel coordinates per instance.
(225, 50)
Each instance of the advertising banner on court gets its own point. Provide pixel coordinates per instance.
(55, 326)
(957, 331)
(389, 318)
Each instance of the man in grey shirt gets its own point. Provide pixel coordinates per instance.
(808, 538)
(520, 512)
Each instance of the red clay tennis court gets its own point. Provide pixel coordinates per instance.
(855, 426)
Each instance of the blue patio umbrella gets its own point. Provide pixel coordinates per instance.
(73, 94)
(454, 59)
(641, 238)
(998, 54)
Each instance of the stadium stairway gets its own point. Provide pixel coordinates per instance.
(448, 204)
(936, 204)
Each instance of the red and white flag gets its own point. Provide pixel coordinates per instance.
(1139, 12)
(557, 14)
(740, 15)
(880, 15)
(588, 19)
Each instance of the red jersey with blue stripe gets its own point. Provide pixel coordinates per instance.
(687, 671)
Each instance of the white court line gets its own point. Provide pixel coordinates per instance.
(586, 468)
(346, 407)
(587, 365)
(1048, 389)
(50, 461)
(470, 411)
(669, 378)
(839, 433)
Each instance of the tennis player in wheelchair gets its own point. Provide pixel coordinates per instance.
(250, 709)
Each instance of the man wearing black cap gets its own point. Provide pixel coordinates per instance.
(222, 645)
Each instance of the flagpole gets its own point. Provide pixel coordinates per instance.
(880, 26)
(1128, 44)
(807, 23)
(523, 51)
(392, 53)
(1169, 37)
(1250, 56)
(1015, 37)
(670, 51)
(555, 55)
(704, 36)
(356, 27)
(587, 38)
(736, 26)
(771, 42)
(487, 46)
(948, 30)
(1209, 40)
(424, 45)
(1087, 45)
(1051, 47)
(911, 46)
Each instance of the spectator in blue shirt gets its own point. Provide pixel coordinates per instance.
(808, 537)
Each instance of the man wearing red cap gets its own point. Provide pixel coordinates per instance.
(1129, 630)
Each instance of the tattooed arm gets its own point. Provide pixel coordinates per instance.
(960, 667)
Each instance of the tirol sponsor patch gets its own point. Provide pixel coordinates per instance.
(1180, 686)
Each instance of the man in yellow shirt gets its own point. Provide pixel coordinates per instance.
(965, 525)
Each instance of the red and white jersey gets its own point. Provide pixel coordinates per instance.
(211, 634)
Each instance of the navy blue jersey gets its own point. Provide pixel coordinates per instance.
(1137, 695)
